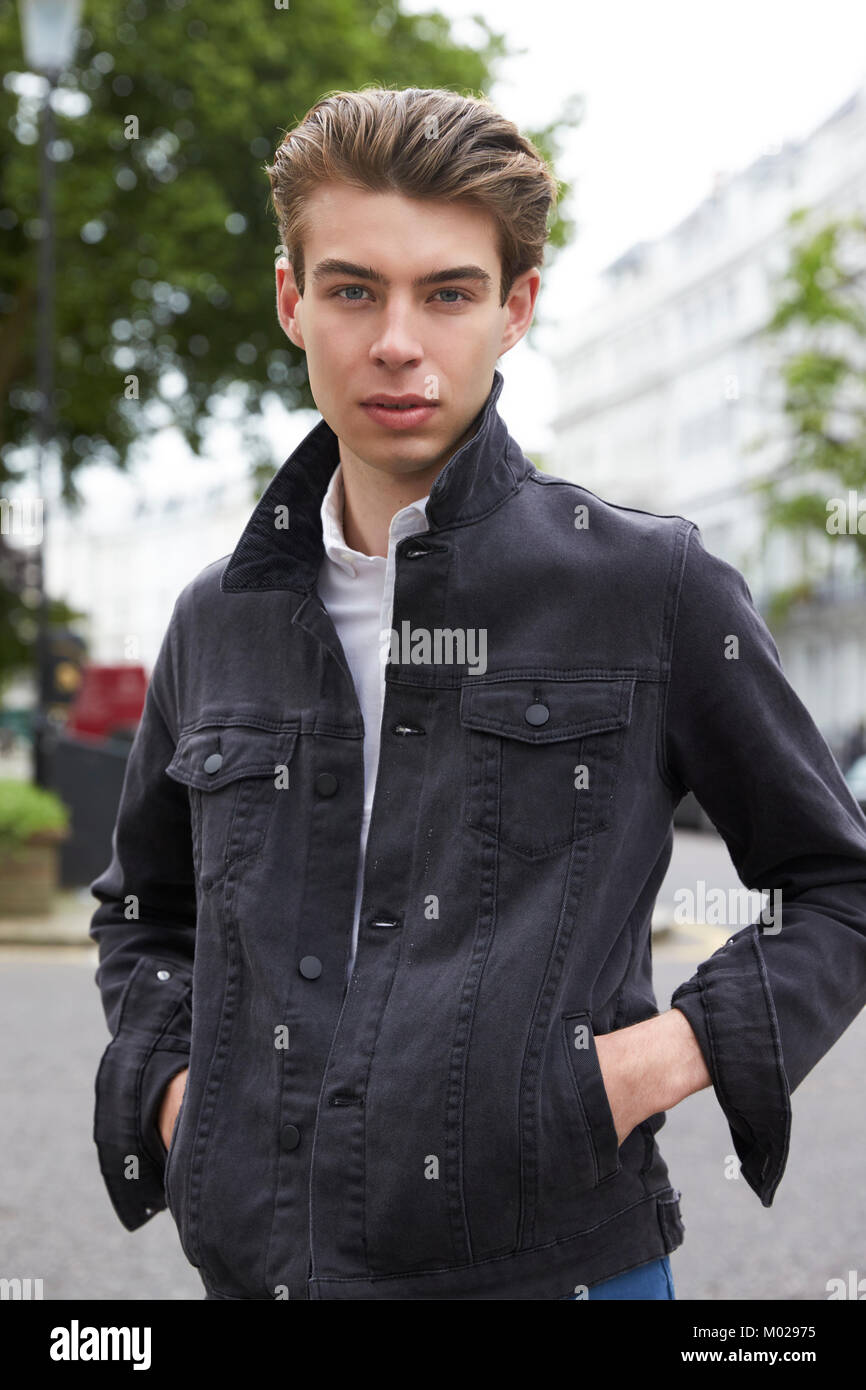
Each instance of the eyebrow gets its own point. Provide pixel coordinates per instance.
(332, 266)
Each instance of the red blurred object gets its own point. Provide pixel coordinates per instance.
(109, 702)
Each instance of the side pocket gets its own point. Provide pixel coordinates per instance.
(579, 1042)
(577, 1152)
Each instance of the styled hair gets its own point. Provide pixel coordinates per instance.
(422, 143)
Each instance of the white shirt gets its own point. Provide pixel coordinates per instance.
(358, 592)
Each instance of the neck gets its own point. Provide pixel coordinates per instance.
(371, 498)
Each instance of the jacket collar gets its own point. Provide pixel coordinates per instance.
(282, 545)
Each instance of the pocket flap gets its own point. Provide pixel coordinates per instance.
(214, 754)
(536, 709)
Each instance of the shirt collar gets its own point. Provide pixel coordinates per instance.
(282, 546)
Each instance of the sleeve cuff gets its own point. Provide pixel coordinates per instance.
(730, 1008)
(136, 1066)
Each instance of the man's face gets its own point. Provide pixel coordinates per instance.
(438, 340)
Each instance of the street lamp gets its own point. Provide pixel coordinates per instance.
(50, 30)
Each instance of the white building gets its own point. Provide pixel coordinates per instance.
(125, 571)
(666, 382)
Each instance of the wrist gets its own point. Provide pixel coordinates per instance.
(678, 1067)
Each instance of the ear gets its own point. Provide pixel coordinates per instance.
(520, 307)
(289, 302)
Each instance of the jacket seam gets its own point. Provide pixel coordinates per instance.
(171, 725)
(531, 1071)
(365, 1180)
(213, 1082)
(459, 1065)
(665, 771)
(510, 1257)
(779, 1060)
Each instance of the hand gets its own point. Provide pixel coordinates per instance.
(622, 1088)
(650, 1067)
(170, 1105)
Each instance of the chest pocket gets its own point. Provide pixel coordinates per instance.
(234, 773)
(543, 757)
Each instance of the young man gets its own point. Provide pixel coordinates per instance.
(400, 803)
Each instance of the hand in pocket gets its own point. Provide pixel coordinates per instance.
(170, 1105)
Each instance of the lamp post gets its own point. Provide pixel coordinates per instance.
(49, 29)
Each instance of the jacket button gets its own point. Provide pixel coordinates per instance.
(537, 714)
(290, 1136)
(163, 974)
(326, 784)
(310, 967)
(213, 763)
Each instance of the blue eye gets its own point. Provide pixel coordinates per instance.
(343, 293)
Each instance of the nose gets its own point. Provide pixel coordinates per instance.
(396, 342)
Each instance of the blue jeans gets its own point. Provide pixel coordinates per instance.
(653, 1280)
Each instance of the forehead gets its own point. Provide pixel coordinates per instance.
(374, 228)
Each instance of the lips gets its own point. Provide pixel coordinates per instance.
(398, 402)
(399, 413)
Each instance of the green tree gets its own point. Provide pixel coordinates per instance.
(819, 327)
(165, 241)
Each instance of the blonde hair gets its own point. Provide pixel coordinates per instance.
(423, 143)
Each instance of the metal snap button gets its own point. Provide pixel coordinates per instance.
(290, 1136)
(537, 714)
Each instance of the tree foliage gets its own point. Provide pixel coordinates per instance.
(819, 327)
(165, 237)
(165, 242)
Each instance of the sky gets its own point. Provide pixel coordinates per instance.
(674, 91)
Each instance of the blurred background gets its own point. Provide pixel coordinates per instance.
(699, 348)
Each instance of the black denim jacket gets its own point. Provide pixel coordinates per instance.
(440, 1128)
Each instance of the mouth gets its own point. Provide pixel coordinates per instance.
(399, 412)
(398, 402)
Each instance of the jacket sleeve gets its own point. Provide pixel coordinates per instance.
(774, 998)
(145, 930)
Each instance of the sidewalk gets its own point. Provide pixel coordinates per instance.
(67, 925)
